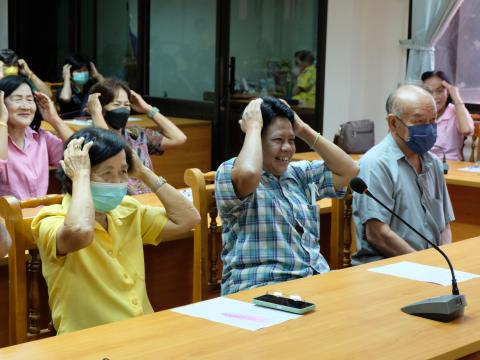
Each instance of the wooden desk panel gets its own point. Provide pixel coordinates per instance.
(358, 317)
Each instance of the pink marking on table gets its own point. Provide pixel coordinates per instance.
(244, 317)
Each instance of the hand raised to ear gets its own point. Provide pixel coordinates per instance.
(252, 116)
(67, 72)
(138, 103)
(453, 92)
(93, 104)
(46, 106)
(76, 161)
(3, 109)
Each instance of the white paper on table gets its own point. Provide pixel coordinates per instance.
(88, 122)
(473, 168)
(236, 313)
(425, 273)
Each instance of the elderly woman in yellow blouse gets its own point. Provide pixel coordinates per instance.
(304, 90)
(91, 245)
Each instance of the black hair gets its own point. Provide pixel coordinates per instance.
(108, 89)
(305, 56)
(105, 145)
(77, 62)
(440, 74)
(271, 108)
(11, 83)
(9, 57)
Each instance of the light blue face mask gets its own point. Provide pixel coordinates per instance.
(80, 78)
(107, 196)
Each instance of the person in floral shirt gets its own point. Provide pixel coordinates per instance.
(110, 102)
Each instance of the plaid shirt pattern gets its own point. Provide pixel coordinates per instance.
(273, 234)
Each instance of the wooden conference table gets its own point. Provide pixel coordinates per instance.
(357, 317)
(464, 190)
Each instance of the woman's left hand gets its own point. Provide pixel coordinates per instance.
(453, 92)
(46, 107)
(138, 168)
(298, 124)
(138, 104)
(94, 73)
(24, 69)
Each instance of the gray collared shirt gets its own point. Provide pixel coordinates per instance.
(421, 199)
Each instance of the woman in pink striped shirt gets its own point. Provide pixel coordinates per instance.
(453, 119)
(26, 151)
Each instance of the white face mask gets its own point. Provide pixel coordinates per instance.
(296, 71)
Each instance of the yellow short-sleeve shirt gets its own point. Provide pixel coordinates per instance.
(306, 82)
(105, 281)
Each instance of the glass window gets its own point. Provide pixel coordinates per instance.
(265, 35)
(182, 48)
(458, 51)
(117, 39)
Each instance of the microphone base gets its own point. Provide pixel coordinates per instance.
(442, 308)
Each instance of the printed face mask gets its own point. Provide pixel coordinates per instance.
(117, 118)
(107, 196)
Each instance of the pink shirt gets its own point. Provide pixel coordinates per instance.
(449, 138)
(25, 173)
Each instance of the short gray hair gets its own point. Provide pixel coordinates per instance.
(396, 100)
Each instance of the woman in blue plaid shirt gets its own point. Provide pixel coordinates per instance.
(268, 205)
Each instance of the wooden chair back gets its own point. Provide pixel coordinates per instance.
(342, 241)
(207, 235)
(474, 145)
(29, 314)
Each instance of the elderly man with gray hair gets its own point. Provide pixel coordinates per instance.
(402, 173)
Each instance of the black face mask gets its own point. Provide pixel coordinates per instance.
(117, 118)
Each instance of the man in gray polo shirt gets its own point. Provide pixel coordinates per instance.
(402, 174)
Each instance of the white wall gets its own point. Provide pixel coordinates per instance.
(364, 60)
(3, 24)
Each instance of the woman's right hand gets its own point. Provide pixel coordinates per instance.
(252, 116)
(66, 72)
(76, 161)
(93, 104)
(3, 109)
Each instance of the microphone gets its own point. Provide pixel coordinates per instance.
(443, 308)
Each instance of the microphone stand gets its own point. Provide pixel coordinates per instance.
(442, 308)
